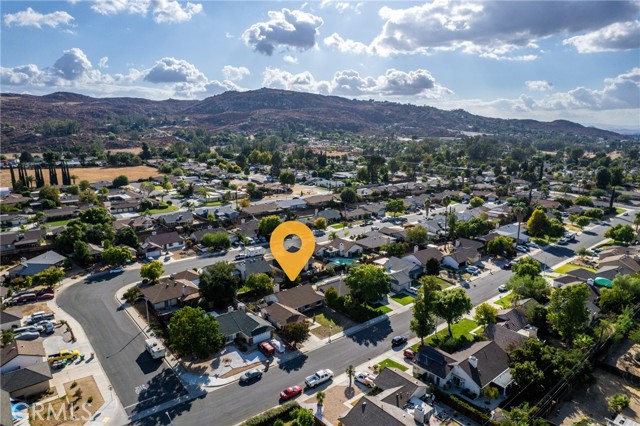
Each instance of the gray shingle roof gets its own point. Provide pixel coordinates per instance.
(25, 377)
(21, 347)
(240, 321)
(298, 297)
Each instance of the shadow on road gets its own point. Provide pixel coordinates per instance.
(374, 334)
(295, 364)
(162, 388)
(127, 344)
(148, 364)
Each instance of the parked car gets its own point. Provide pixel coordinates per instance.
(522, 249)
(267, 349)
(27, 329)
(318, 233)
(27, 335)
(365, 379)
(63, 355)
(625, 214)
(374, 228)
(502, 288)
(464, 283)
(398, 340)
(251, 375)
(563, 241)
(318, 378)
(409, 353)
(291, 392)
(117, 270)
(45, 296)
(412, 290)
(240, 256)
(532, 245)
(48, 290)
(473, 270)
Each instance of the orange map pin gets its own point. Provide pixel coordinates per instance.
(292, 263)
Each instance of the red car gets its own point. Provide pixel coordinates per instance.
(409, 353)
(291, 392)
(46, 296)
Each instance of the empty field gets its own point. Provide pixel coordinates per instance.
(92, 174)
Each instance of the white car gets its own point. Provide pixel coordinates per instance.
(320, 377)
(365, 379)
(473, 270)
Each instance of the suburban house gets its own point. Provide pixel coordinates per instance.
(472, 369)
(28, 268)
(20, 354)
(280, 315)
(421, 257)
(264, 209)
(175, 219)
(9, 320)
(337, 283)
(386, 408)
(460, 258)
(331, 215)
(338, 247)
(188, 275)
(292, 204)
(170, 295)
(138, 223)
(244, 326)
(252, 265)
(511, 230)
(302, 298)
(465, 243)
(402, 272)
(374, 241)
(27, 381)
(155, 244)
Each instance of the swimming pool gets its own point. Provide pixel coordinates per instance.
(343, 260)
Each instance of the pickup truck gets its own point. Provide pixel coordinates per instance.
(63, 354)
(318, 378)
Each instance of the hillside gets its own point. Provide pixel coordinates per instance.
(261, 109)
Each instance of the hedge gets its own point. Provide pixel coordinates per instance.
(268, 417)
(466, 409)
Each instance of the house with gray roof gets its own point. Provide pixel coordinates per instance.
(29, 268)
(27, 381)
(421, 257)
(292, 204)
(402, 272)
(459, 258)
(339, 247)
(301, 298)
(280, 315)
(244, 326)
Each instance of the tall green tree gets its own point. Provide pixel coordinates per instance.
(128, 237)
(49, 277)
(368, 283)
(348, 196)
(218, 285)
(152, 271)
(295, 332)
(486, 314)
(538, 223)
(119, 181)
(424, 320)
(116, 256)
(396, 207)
(568, 312)
(525, 286)
(261, 284)
(287, 178)
(81, 253)
(268, 224)
(96, 216)
(416, 235)
(217, 241)
(527, 266)
(194, 332)
(451, 306)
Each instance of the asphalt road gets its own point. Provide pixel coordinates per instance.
(141, 383)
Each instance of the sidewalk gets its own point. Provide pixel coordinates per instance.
(111, 411)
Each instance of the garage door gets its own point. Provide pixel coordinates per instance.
(262, 337)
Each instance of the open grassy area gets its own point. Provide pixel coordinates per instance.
(506, 301)
(214, 203)
(570, 266)
(391, 363)
(330, 321)
(336, 226)
(167, 210)
(403, 299)
(619, 210)
(461, 328)
(59, 222)
(442, 283)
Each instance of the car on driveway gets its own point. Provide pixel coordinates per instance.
(46, 296)
(398, 340)
(365, 379)
(27, 335)
(290, 392)
(409, 353)
(464, 283)
(522, 249)
(473, 270)
(117, 270)
(251, 376)
(563, 241)
(625, 214)
(502, 288)
(532, 245)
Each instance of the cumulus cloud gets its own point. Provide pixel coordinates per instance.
(235, 73)
(290, 29)
(341, 6)
(617, 36)
(290, 59)
(351, 83)
(163, 11)
(103, 62)
(31, 18)
(72, 65)
(172, 70)
(539, 85)
(493, 29)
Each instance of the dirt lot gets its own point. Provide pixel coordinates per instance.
(591, 402)
(334, 401)
(92, 174)
(34, 307)
(82, 409)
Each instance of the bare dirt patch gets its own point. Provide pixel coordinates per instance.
(35, 307)
(93, 174)
(60, 411)
(334, 401)
(591, 402)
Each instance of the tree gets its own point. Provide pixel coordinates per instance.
(621, 233)
(95, 216)
(194, 332)
(84, 185)
(98, 234)
(538, 223)
(500, 246)
(395, 207)
(617, 177)
(427, 206)
(147, 188)
(582, 252)
(218, 285)
(568, 312)
(527, 266)
(116, 256)
(525, 286)
(519, 211)
(260, 283)
(432, 267)
(583, 200)
(368, 283)
(128, 237)
(348, 196)
(636, 220)
(295, 332)
(625, 292)
(132, 294)
(424, 322)
(49, 192)
(217, 241)
(350, 371)
(320, 223)
(121, 180)
(81, 253)
(49, 277)
(26, 157)
(618, 402)
(416, 235)
(152, 271)
(320, 396)
(476, 202)
(452, 305)
(490, 392)
(267, 225)
(287, 178)
(486, 314)
(74, 231)
(583, 221)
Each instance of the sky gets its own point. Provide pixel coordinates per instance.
(545, 60)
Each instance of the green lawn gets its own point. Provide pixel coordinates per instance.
(402, 299)
(391, 363)
(461, 328)
(327, 325)
(59, 222)
(568, 267)
(506, 301)
(383, 309)
(336, 226)
(442, 283)
(167, 210)
(619, 210)
(214, 203)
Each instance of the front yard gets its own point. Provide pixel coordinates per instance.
(403, 299)
(462, 328)
(391, 363)
(506, 301)
(570, 266)
(330, 320)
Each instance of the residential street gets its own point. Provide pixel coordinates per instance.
(141, 383)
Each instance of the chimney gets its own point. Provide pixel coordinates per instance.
(473, 361)
(529, 331)
(415, 248)
(184, 290)
(230, 309)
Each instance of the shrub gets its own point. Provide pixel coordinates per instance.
(78, 394)
(74, 384)
(269, 417)
(89, 400)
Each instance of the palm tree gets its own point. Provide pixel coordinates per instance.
(73, 178)
(333, 235)
(636, 221)
(427, 207)
(519, 210)
(320, 396)
(30, 180)
(351, 371)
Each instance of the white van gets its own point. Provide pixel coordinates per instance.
(155, 348)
